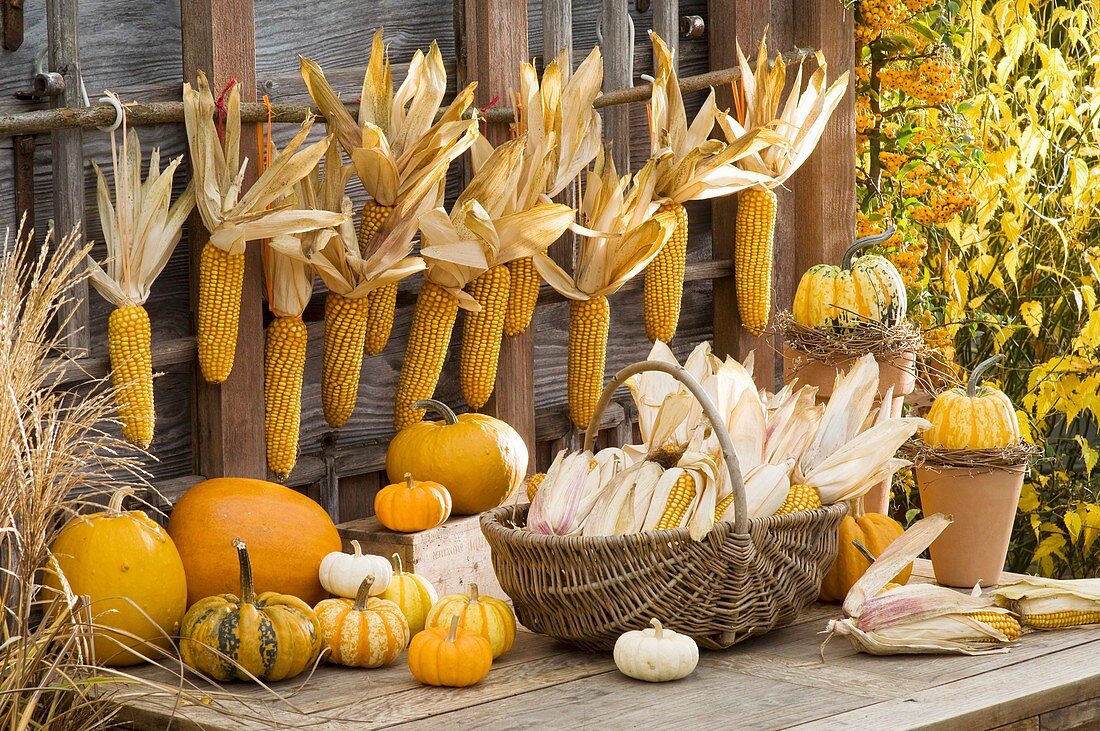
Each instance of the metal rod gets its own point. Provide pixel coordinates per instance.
(139, 114)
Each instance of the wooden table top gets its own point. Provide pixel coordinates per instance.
(779, 681)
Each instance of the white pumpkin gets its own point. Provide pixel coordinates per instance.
(656, 654)
(342, 573)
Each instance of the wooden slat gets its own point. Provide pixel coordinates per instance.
(22, 151)
(666, 23)
(62, 23)
(218, 38)
(557, 24)
(618, 58)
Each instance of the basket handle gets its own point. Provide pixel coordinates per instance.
(740, 502)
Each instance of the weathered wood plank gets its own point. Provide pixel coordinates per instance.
(618, 57)
(1071, 718)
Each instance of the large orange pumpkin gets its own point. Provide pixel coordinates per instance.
(287, 535)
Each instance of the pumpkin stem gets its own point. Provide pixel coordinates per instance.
(248, 592)
(473, 594)
(409, 481)
(864, 242)
(398, 565)
(864, 550)
(452, 633)
(439, 408)
(114, 507)
(363, 595)
(357, 548)
(975, 381)
(658, 629)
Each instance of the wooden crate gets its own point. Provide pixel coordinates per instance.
(452, 556)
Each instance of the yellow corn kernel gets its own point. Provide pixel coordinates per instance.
(284, 365)
(221, 281)
(1006, 624)
(754, 238)
(722, 506)
(801, 497)
(1061, 620)
(425, 352)
(664, 279)
(533, 483)
(587, 356)
(342, 361)
(129, 346)
(679, 498)
(523, 295)
(889, 587)
(383, 301)
(481, 335)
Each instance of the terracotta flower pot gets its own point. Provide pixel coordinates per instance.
(982, 502)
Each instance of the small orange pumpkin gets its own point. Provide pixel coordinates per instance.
(412, 505)
(365, 632)
(450, 656)
(484, 615)
(860, 534)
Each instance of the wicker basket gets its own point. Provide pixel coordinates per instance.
(743, 579)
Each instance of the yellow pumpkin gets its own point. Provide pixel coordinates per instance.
(869, 288)
(410, 506)
(365, 632)
(130, 569)
(870, 532)
(412, 593)
(480, 459)
(288, 535)
(483, 615)
(977, 417)
(268, 636)
(450, 656)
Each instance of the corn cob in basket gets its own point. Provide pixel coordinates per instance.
(396, 147)
(697, 168)
(799, 125)
(234, 219)
(141, 229)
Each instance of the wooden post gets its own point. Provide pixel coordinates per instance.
(666, 23)
(219, 38)
(557, 24)
(62, 22)
(22, 148)
(492, 44)
(618, 57)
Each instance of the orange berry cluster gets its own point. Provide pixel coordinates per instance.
(944, 206)
(934, 81)
(892, 162)
(865, 118)
(909, 260)
(879, 16)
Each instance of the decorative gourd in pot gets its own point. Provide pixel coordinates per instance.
(411, 506)
(287, 535)
(450, 656)
(480, 459)
(655, 654)
(130, 569)
(412, 593)
(977, 417)
(365, 632)
(868, 288)
(484, 615)
(342, 573)
(859, 534)
(269, 636)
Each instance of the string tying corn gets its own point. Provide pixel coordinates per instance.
(425, 352)
(589, 321)
(679, 499)
(284, 366)
(753, 256)
(523, 294)
(342, 361)
(664, 279)
(481, 335)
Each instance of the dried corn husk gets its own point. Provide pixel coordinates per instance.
(1036, 595)
(917, 618)
(570, 489)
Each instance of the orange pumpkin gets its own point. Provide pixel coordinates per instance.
(450, 656)
(871, 532)
(484, 615)
(287, 535)
(412, 505)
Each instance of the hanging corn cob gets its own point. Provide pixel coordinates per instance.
(698, 168)
(512, 220)
(622, 237)
(799, 125)
(396, 147)
(563, 135)
(234, 219)
(141, 229)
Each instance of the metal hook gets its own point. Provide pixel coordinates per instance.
(118, 112)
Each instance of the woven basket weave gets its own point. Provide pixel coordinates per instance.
(743, 579)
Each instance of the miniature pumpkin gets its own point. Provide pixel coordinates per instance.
(450, 656)
(484, 615)
(655, 654)
(411, 506)
(130, 569)
(977, 417)
(343, 573)
(287, 535)
(860, 533)
(364, 633)
(480, 459)
(268, 636)
(869, 288)
(414, 594)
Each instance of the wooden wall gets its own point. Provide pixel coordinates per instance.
(136, 50)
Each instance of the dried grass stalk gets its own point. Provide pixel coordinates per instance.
(1014, 456)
